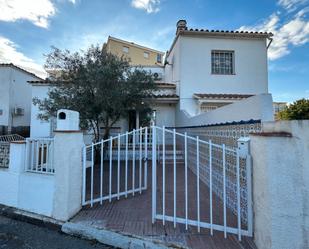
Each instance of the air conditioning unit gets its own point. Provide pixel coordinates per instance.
(157, 76)
(18, 111)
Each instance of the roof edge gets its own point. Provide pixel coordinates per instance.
(20, 69)
(134, 44)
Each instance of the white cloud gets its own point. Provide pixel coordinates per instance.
(150, 6)
(291, 5)
(36, 11)
(294, 31)
(9, 54)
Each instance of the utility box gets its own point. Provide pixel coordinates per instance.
(243, 145)
(67, 120)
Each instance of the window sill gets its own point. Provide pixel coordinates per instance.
(223, 74)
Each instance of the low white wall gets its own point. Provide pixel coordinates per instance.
(258, 107)
(281, 185)
(36, 193)
(32, 192)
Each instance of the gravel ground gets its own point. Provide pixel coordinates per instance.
(21, 235)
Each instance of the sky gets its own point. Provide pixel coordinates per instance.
(28, 29)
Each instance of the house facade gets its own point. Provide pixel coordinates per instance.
(15, 99)
(214, 68)
(206, 77)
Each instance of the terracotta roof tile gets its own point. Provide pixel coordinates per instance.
(205, 31)
(221, 96)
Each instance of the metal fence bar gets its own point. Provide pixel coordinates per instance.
(146, 158)
(238, 196)
(163, 174)
(92, 165)
(110, 168)
(224, 189)
(42, 155)
(118, 168)
(175, 190)
(101, 171)
(133, 165)
(37, 156)
(186, 180)
(198, 183)
(126, 166)
(154, 175)
(140, 160)
(210, 186)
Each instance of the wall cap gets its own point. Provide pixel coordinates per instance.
(67, 131)
(272, 134)
(18, 142)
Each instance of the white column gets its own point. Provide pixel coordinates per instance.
(68, 174)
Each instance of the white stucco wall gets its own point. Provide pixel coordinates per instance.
(55, 195)
(258, 107)
(165, 115)
(281, 186)
(5, 79)
(36, 193)
(15, 92)
(191, 68)
(172, 69)
(39, 128)
(32, 192)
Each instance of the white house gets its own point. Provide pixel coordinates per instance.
(208, 77)
(214, 68)
(15, 99)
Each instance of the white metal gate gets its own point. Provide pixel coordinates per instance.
(116, 166)
(194, 182)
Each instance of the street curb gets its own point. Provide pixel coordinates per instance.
(32, 218)
(113, 238)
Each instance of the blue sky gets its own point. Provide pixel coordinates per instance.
(29, 27)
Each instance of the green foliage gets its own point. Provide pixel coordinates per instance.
(298, 110)
(99, 85)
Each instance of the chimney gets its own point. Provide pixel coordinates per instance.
(181, 25)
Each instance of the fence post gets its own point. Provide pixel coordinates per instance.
(243, 145)
(68, 174)
(154, 174)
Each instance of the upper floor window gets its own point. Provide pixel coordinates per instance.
(159, 58)
(222, 62)
(125, 49)
(146, 55)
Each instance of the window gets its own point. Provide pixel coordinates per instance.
(146, 55)
(222, 62)
(159, 58)
(125, 49)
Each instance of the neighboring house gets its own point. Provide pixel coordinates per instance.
(278, 107)
(15, 99)
(208, 76)
(138, 55)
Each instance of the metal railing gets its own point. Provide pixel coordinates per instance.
(125, 154)
(220, 177)
(194, 182)
(39, 155)
(11, 138)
